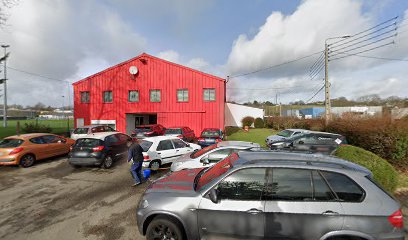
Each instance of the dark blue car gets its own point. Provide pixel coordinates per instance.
(210, 136)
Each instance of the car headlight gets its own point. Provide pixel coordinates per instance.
(143, 204)
(277, 144)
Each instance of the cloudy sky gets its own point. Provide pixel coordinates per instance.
(64, 41)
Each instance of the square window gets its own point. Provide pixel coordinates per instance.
(107, 97)
(84, 97)
(182, 95)
(133, 96)
(209, 94)
(154, 95)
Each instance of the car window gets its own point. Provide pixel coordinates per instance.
(173, 131)
(124, 138)
(309, 139)
(109, 129)
(165, 145)
(290, 184)
(88, 142)
(285, 133)
(51, 139)
(321, 191)
(10, 143)
(111, 140)
(296, 133)
(81, 131)
(345, 188)
(219, 155)
(98, 129)
(210, 133)
(37, 140)
(179, 144)
(245, 184)
(145, 145)
(326, 139)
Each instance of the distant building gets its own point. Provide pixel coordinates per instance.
(398, 113)
(358, 110)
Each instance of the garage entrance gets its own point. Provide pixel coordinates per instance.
(136, 119)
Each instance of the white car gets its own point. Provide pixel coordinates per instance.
(164, 149)
(81, 132)
(211, 155)
(284, 134)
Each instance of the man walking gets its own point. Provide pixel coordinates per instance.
(135, 154)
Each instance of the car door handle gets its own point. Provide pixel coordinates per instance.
(177, 150)
(254, 211)
(330, 213)
(159, 153)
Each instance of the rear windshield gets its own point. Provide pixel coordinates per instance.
(88, 142)
(210, 133)
(285, 133)
(143, 129)
(145, 145)
(173, 131)
(10, 143)
(81, 131)
(203, 151)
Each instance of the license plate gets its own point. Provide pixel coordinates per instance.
(209, 140)
(82, 154)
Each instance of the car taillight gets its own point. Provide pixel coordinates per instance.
(98, 148)
(218, 140)
(70, 148)
(396, 219)
(16, 150)
(200, 139)
(180, 136)
(146, 158)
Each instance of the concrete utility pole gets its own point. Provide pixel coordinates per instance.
(5, 87)
(327, 103)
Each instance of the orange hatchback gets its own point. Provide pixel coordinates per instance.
(25, 149)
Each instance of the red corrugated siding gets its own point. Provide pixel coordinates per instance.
(155, 74)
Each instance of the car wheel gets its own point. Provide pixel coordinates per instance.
(107, 162)
(27, 160)
(154, 165)
(163, 228)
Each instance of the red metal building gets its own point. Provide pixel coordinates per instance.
(147, 90)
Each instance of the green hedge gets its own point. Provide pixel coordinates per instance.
(259, 123)
(384, 173)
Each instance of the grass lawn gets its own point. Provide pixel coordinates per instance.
(256, 135)
(58, 126)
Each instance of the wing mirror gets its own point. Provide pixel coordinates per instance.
(205, 160)
(213, 195)
(188, 144)
(301, 142)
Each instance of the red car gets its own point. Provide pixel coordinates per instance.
(184, 133)
(150, 130)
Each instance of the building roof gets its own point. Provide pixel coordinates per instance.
(145, 55)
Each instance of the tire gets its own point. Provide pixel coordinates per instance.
(154, 165)
(27, 160)
(163, 228)
(107, 162)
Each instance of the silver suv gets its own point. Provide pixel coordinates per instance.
(270, 195)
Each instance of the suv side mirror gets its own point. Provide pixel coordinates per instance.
(213, 195)
(205, 160)
(188, 144)
(301, 142)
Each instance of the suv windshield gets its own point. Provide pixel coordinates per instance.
(145, 145)
(88, 142)
(10, 143)
(285, 133)
(173, 131)
(81, 131)
(215, 171)
(203, 151)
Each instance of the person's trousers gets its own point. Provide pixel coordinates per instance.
(136, 170)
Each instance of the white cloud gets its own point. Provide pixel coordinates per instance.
(195, 63)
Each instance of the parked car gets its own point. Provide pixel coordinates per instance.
(26, 149)
(211, 155)
(151, 130)
(89, 129)
(316, 142)
(210, 136)
(284, 134)
(270, 195)
(184, 133)
(99, 149)
(163, 149)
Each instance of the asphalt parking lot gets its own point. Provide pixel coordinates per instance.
(51, 200)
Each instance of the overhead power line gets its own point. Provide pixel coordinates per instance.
(37, 75)
(314, 95)
(367, 50)
(275, 66)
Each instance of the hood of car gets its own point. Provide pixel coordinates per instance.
(181, 181)
(275, 138)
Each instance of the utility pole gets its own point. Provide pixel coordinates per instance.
(5, 87)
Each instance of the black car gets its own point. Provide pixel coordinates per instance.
(314, 142)
(99, 149)
(210, 136)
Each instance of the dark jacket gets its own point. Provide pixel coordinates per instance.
(135, 152)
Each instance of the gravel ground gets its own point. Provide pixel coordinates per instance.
(51, 200)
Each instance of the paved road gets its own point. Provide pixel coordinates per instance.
(51, 200)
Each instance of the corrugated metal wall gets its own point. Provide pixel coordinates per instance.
(154, 74)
